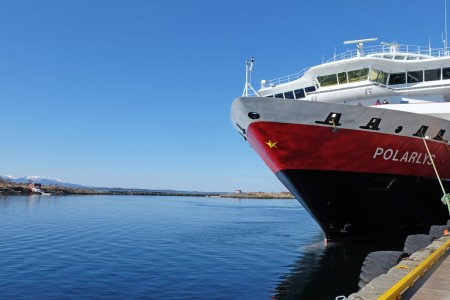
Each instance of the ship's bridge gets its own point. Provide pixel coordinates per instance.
(385, 51)
(392, 67)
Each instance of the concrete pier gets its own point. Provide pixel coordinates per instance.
(435, 284)
(423, 275)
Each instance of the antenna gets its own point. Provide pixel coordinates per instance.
(445, 24)
(360, 41)
(251, 63)
(429, 45)
(360, 45)
(443, 41)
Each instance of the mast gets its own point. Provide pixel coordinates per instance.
(445, 29)
(248, 72)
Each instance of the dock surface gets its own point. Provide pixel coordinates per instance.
(435, 284)
(425, 274)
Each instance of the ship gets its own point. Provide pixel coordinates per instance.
(361, 140)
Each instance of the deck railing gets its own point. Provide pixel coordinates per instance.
(394, 49)
(284, 79)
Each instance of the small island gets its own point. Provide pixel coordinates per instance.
(11, 188)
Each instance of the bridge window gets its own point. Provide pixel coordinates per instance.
(378, 76)
(415, 76)
(358, 75)
(327, 80)
(431, 75)
(446, 73)
(280, 95)
(310, 89)
(289, 95)
(397, 78)
(342, 78)
(300, 93)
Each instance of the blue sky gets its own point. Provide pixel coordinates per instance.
(138, 93)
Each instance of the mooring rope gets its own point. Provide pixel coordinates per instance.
(445, 197)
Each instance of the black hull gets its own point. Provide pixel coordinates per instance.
(351, 206)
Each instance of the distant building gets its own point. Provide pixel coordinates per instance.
(35, 187)
(238, 192)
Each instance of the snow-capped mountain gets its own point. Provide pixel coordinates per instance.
(38, 179)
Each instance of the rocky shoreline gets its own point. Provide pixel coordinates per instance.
(8, 188)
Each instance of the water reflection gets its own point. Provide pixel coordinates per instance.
(12, 203)
(6, 201)
(33, 200)
(325, 272)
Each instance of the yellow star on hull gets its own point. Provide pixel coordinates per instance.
(272, 144)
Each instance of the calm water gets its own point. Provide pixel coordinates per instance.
(132, 247)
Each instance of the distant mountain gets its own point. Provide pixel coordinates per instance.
(39, 179)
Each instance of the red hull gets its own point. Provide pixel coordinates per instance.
(285, 146)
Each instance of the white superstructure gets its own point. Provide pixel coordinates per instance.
(409, 78)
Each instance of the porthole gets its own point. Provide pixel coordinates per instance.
(398, 129)
(253, 115)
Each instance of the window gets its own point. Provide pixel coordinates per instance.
(327, 80)
(415, 76)
(310, 89)
(378, 76)
(280, 95)
(397, 78)
(342, 78)
(289, 95)
(358, 75)
(300, 93)
(431, 75)
(446, 73)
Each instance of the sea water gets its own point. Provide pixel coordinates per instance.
(147, 247)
